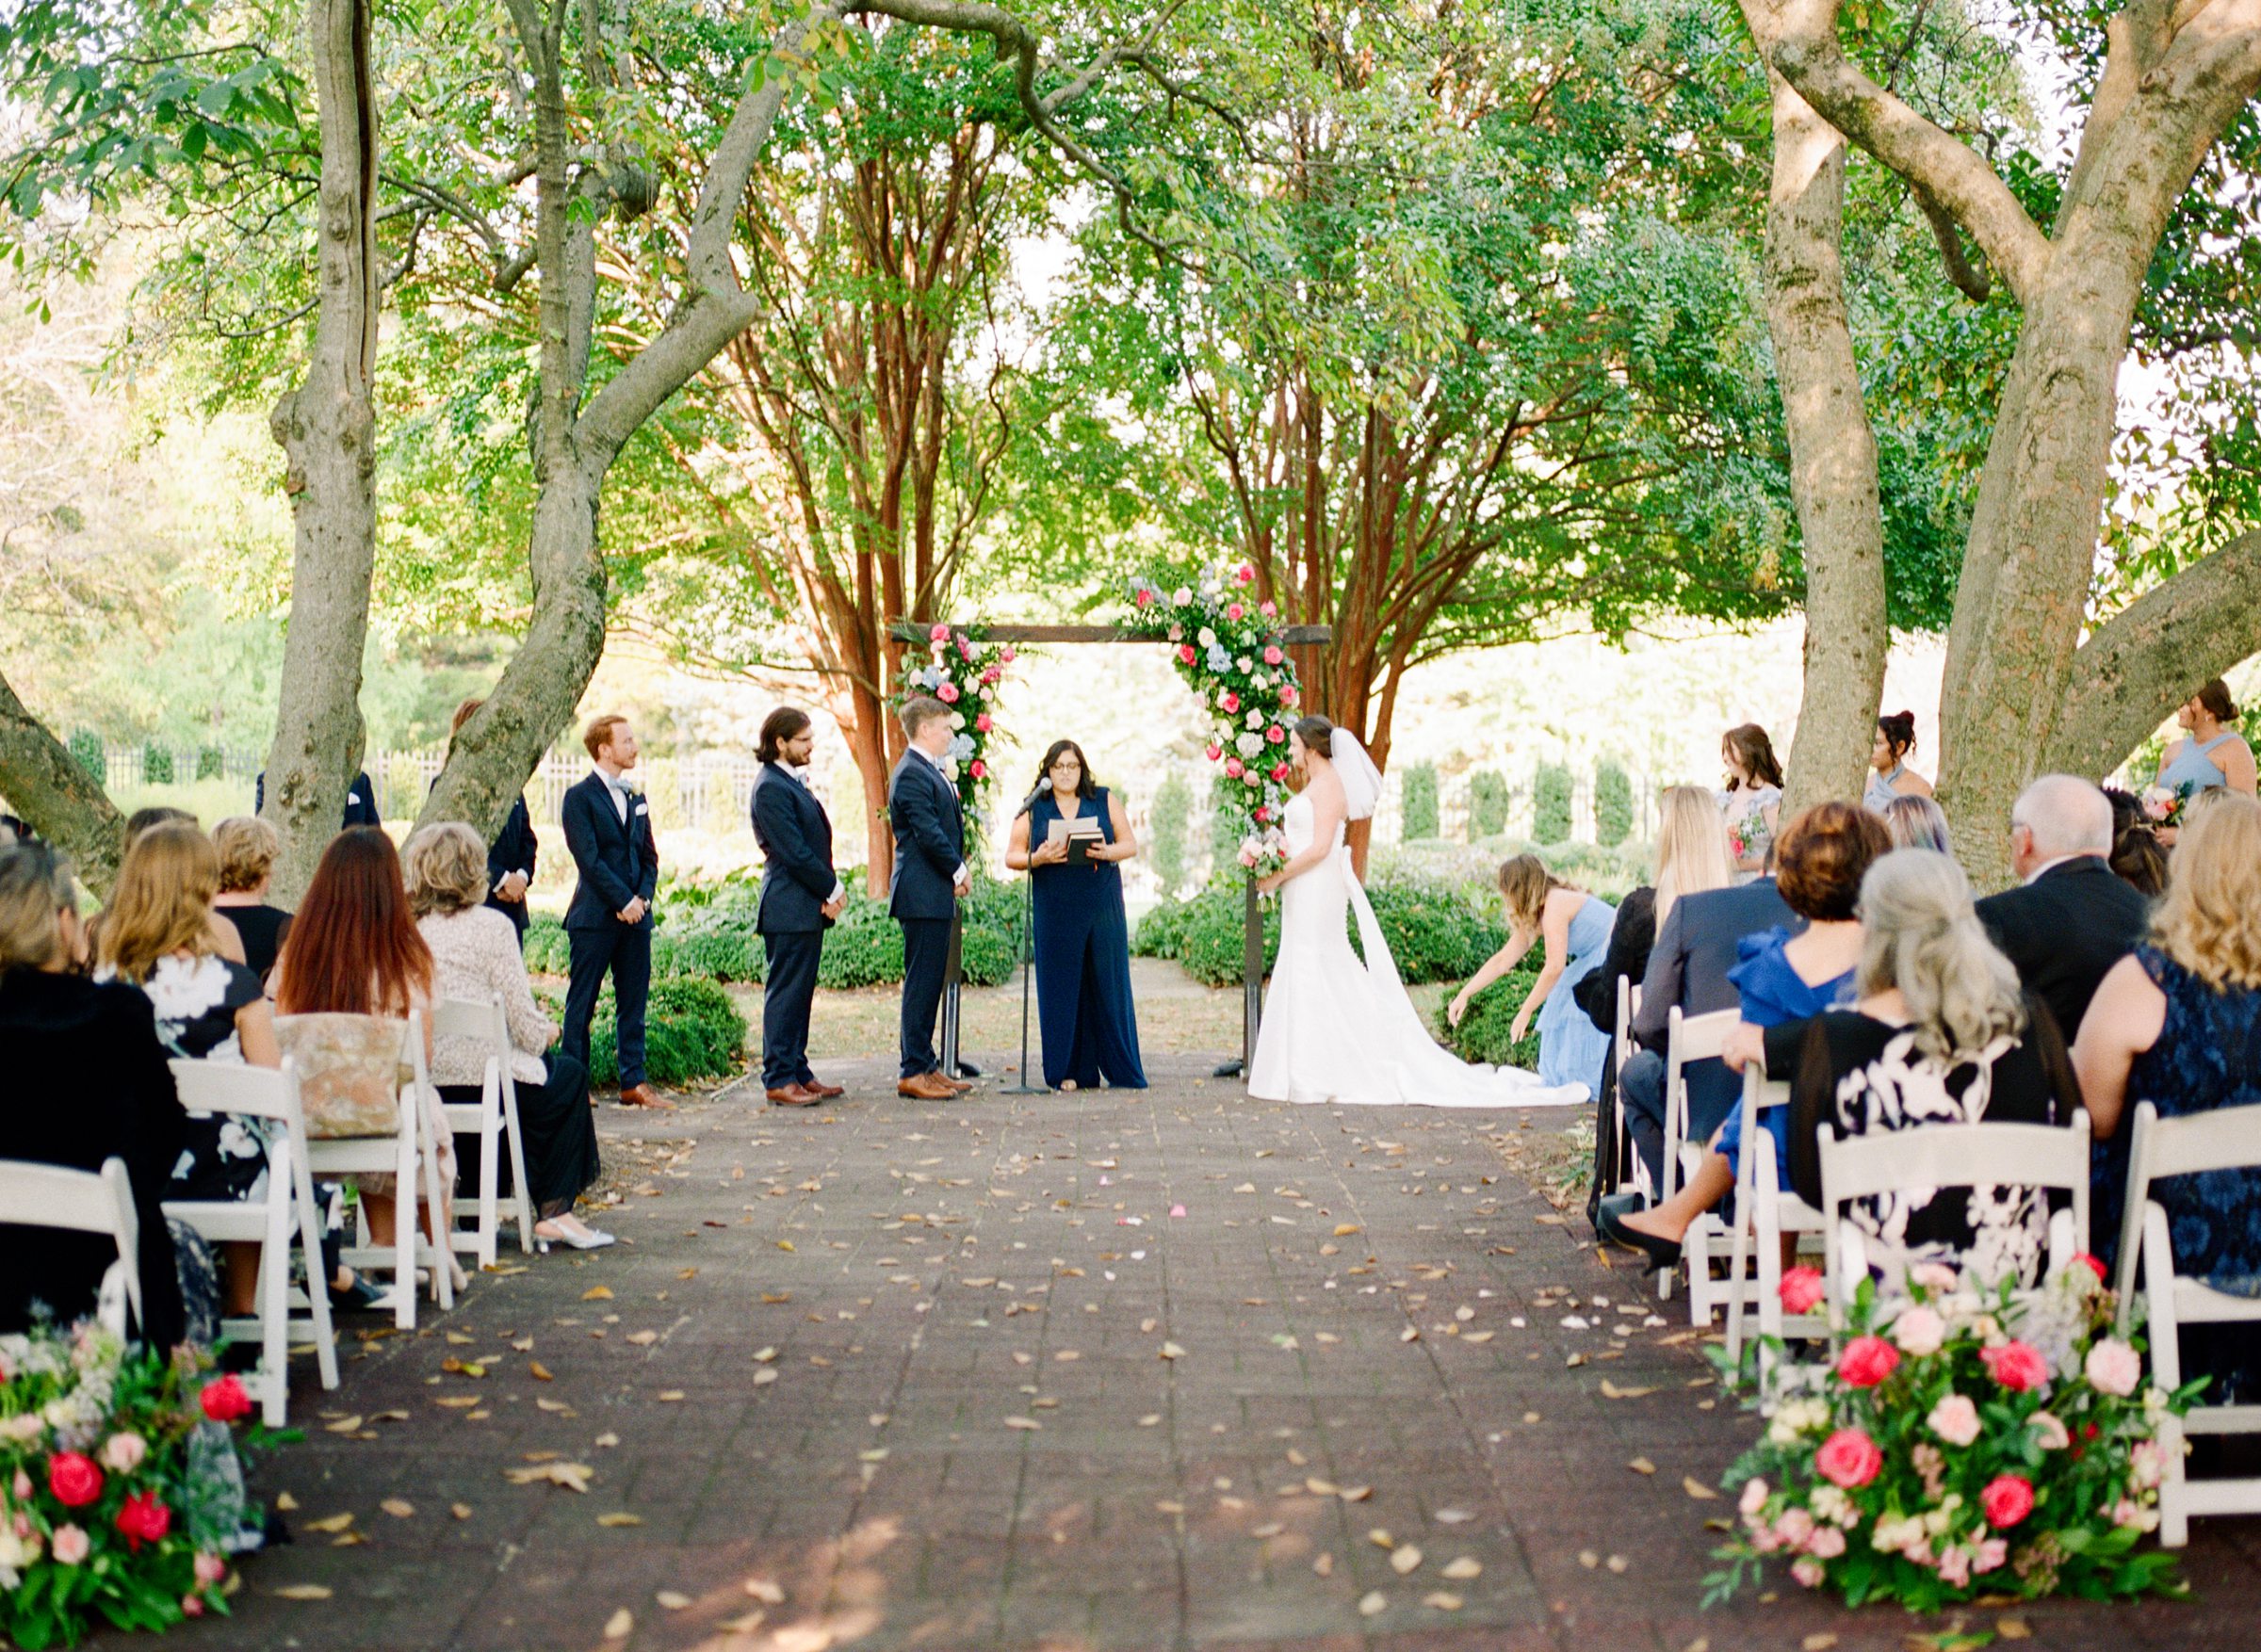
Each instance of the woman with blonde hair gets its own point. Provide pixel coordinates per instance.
(1575, 928)
(248, 846)
(1941, 1033)
(1691, 857)
(2177, 1023)
(475, 957)
(157, 934)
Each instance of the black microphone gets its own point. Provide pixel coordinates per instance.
(1030, 802)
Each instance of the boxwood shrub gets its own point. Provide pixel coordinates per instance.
(1435, 931)
(693, 1031)
(1162, 932)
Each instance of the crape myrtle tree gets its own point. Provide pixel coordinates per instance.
(2143, 236)
(527, 129)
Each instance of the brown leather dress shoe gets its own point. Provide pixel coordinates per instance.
(794, 1095)
(927, 1087)
(643, 1095)
(818, 1086)
(960, 1085)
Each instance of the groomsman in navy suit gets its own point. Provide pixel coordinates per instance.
(801, 896)
(609, 925)
(510, 856)
(930, 876)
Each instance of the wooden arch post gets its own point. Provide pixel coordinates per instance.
(1252, 943)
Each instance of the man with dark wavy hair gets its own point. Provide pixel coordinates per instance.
(801, 896)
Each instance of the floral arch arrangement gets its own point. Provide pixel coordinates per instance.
(964, 672)
(1227, 648)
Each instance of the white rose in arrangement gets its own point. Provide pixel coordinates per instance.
(1256, 719)
(1249, 745)
(988, 693)
(1177, 633)
(957, 719)
(1206, 638)
(1246, 665)
(1262, 680)
(1180, 597)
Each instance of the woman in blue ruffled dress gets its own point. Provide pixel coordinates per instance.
(1575, 928)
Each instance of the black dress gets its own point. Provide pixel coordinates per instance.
(263, 928)
(1083, 962)
(1861, 1075)
(87, 1081)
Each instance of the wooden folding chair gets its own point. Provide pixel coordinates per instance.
(84, 1201)
(271, 1094)
(2228, 1139)
(491, 1119)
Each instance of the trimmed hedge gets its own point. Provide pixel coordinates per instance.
(211, 763)
(1168, 826)
(156, 764)
(1481, 1035)
(691, 1031)
(1435, 931)
(1613, 806)
(88, 751)
(1486, 804)
(1550, 803)
(1420, 803)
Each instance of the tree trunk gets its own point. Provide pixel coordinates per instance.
(2139, 665)
(57, 798)
(1832, 458)
(327, 429)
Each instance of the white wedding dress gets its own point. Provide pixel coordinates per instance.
(1336, 1029)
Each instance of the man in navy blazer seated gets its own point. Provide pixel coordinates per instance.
(930, 876)
(609, 925)
(510, 856)
(361, 800)
(801, 896)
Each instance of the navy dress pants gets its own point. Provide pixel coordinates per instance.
(788, 987)
(625, 953)
(925, 963)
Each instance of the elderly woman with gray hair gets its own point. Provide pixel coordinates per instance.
(1939, 1033)
(474, 956)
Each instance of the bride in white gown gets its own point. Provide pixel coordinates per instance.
(1334, 1029)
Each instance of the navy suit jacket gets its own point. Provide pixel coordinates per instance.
(616, 862)
(512, 851)
(361, 800)
(2064, 930)
(795, 835)
(1695, 949)
(930, 839)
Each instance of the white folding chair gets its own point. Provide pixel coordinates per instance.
(493, 1116)
(1688, 1038)
(84, 1201)
(400, 1153)
(271, 1095)
(2228, 1139)
(1930, 1157)
(1763, 1208)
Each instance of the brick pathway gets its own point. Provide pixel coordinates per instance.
(890, 1375)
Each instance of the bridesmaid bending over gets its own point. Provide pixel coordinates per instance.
(1575, 928)
(1082, 958)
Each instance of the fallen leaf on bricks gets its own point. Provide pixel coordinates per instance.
(398, 1508)
(539, 1371)
(766, 1592)
(1323, 1565)
(1441, 1600)
(1171, 1351)
(1022, 1422)
(1374, 1604)
(302, 1592)
(673, 1599)
(1697, 1489)
(619, 1623)
(1354, 1493)
(1405, 1559)
(1611, 1391)
(343, 1425)
(620, 1519)
(572, 1476)
(643, 1339)
(1461, 1570)
(331, 1523)
(460, 1511)
(600, 1293)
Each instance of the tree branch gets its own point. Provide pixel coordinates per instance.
(57, 798)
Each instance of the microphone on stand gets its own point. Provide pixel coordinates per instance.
(1030, 802)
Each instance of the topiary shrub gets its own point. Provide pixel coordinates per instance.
(693, 1031)
(1550, 803)
(1434, 931)
(986, 956)
(1213, 937)
(156, 764)
(1486, 804)
(1418, 803)
(87, 752)
(1613, 806)
(211, 763)
(1161, 931)
(1225, 822)
(863, 949)
(1167, 826)
(663, 791)
(1481, 1035)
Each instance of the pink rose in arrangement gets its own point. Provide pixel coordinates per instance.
(210, 1568)
(1991, 1553)
(965, 649)
(1955, 1568)
(1275, 735)
(1231, 702)
(1245, 575)
(1146, 597)
(2147, 1465)
(991, 674)
(947, 693)
(978, 769)
(1932, 1276)
(1754, 1496)
(1185, 654)
(1954, 1419)
(938, 632)
(982, 723)
(2114, 1368)
(1272, 655)
(1919, 1330)
(123, 1454)
(2127, 1511)
(2049, 1433)
(1849, 1458)
(1280, 771)
(1234, 612)
(1006, 653)
(225, 1400)
(1234, 768)
(23, 1486)
(1262, 815)
(2006, 1499)
(192, 1605)
(1867, 1361)
(1215, 750)
(144, 1519)
(1269, 610)
(71, 1544)
(1253, 777)
(73, 1478)
(1828, 1544)
(2093, 1264)
(1794, 1527)
(2017, 1366)
(1809, 1571)
(1800, 1290)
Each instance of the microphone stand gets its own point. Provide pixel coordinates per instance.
(1027, 947)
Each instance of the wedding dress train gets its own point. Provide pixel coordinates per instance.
(1336, 1029)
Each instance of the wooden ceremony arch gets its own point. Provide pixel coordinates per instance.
(1252, 945)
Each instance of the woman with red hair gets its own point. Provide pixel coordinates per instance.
(353, 949)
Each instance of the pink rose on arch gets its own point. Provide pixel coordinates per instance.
(1272, 654)
(1146, 597)
(1263, 815)
(1800, 1290)
(1849, 1459)
(1231, 701)
(1269, 610)
(2093, 1264)
(1954, 1420)
(1215, 750)
(1275, 735)
(947, 693)
(1006, 653)
(2017, 1366)
(2006, 1499)
(1933, 1276)
(1280, 771)
(2048, 1433)
(1233, 610)
(70, 1545)
(978, 769)
(938, 632)
(991, 674)
(982, 723)
(1253, 777)
(1185, 654)
(2113, 1368)
(1867, 1361)
(1234, 768)
(1287, 694)
(1245, 575)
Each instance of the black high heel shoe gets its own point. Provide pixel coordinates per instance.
(1663, 1253)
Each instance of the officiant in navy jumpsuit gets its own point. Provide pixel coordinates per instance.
(1082, 954)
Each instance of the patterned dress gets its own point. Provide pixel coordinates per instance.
(2207, 1056)
(196, 1000)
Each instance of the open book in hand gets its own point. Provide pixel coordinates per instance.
(1081, 835)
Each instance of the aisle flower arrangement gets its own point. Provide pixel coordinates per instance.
(1968, 1446)
(964, 672)
(1226, 644)
(101, 1516)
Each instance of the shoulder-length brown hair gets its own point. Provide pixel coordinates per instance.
(1524, 885)
(1753, 753)
(353, 949)
(1821, 857)
(163, 901)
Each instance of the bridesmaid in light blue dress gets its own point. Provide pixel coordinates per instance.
(1575, 928)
